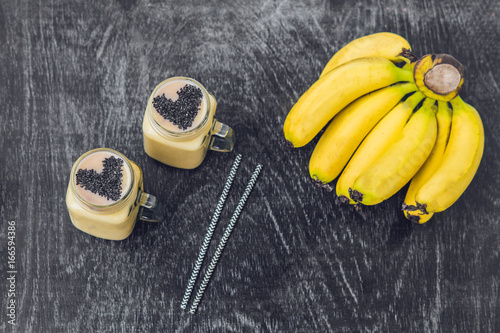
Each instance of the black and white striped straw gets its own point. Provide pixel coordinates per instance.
(225, 237)
(210, 232)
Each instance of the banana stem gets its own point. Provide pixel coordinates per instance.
(457, 101)
(408, 55)
(439, 76)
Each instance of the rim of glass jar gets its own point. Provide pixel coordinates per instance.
(185, 134)
(112, 207)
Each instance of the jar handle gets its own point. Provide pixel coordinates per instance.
(222, 137)
(151, 209)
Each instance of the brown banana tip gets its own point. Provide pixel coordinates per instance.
(422, 208)
(413, 218)
(289, 144)
(343, 199)
(320, 184)
(409, 208)
(355, 195)
(408, 55)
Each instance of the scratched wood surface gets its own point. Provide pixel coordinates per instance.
(76, 76)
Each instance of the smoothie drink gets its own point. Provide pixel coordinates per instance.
(104, 194)
(179, 125)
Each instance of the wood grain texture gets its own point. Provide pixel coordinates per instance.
(76, 76)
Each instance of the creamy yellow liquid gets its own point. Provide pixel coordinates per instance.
(108, 222)
(179, 152)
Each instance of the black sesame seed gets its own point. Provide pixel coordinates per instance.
(183, 111)
(106, 184)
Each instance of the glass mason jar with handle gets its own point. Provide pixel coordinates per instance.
(105, 195)
(173, 139)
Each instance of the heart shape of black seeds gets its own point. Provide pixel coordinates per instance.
(183, 111)
(107, 183)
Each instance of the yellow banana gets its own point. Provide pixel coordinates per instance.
(334, 91)
(383, 44)
(391, 171)
(431, 164)
(346, 131)
(460, 161)
(381, 137)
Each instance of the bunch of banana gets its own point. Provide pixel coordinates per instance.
(451, 171)
(360, 69)
(390, 123)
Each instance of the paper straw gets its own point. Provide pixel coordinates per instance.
(224, 239)
(210, 232)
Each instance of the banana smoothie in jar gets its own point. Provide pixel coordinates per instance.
(179, 125)
(105, 196)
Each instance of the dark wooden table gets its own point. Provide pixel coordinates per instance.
(76, 76)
